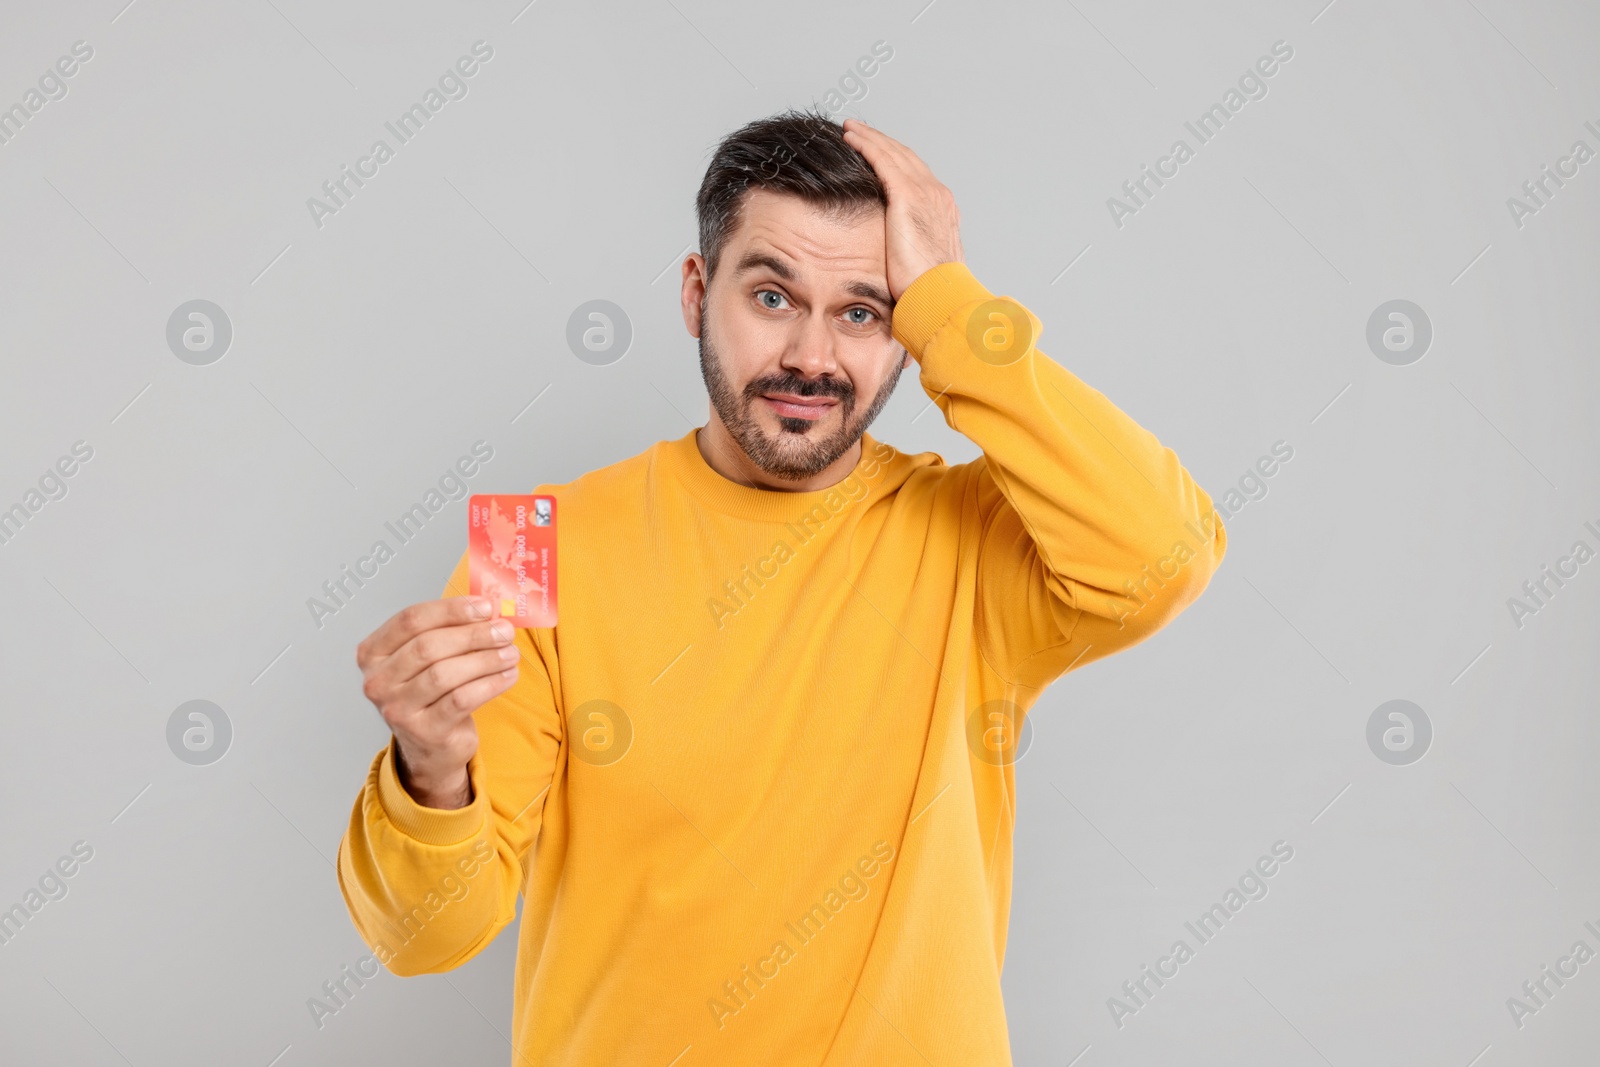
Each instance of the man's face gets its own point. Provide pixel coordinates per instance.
(795, 340)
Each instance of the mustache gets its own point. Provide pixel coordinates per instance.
(788, 383)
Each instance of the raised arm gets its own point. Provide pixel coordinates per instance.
(1093, 533)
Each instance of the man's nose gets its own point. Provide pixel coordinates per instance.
(813, 348)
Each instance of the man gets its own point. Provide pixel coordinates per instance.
(756, 789)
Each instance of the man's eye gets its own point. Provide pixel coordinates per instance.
(762, 295)
(864, 311)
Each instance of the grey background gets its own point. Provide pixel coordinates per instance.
(1228, 314)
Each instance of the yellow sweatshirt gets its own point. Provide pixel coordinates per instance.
(756, 789)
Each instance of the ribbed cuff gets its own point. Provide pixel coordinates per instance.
(431, 826)
(930, 301)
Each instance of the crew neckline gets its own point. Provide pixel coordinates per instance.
(683, 458)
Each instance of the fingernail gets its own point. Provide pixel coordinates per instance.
(481, 608)
(502, 631)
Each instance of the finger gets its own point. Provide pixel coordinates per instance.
(468, 697)
(447, 674)
(431, 646)
(906, 180)
(891, 147)
(878, 150)
(410, 621)
(893, 151)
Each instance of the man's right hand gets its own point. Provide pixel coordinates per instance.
(427, 670)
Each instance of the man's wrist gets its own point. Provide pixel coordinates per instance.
(445, 792)
(928, 303)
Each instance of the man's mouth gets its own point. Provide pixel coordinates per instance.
(791, 406)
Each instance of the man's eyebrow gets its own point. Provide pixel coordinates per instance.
(868, 291)
(754, 259)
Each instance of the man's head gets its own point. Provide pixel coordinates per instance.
(789, 296)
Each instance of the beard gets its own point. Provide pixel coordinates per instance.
(795, 451)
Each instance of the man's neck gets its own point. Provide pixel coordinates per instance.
(723, 455)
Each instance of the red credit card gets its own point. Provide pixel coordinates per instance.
(511, 542)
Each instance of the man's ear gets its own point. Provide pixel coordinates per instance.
(693, 294)
(906, 362)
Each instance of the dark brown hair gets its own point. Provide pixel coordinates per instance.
(802, 153)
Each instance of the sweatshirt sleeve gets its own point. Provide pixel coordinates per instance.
(429, 888)
(1092, 533)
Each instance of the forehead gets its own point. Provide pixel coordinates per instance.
(807, 237)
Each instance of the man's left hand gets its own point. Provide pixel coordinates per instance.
(922, 227)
